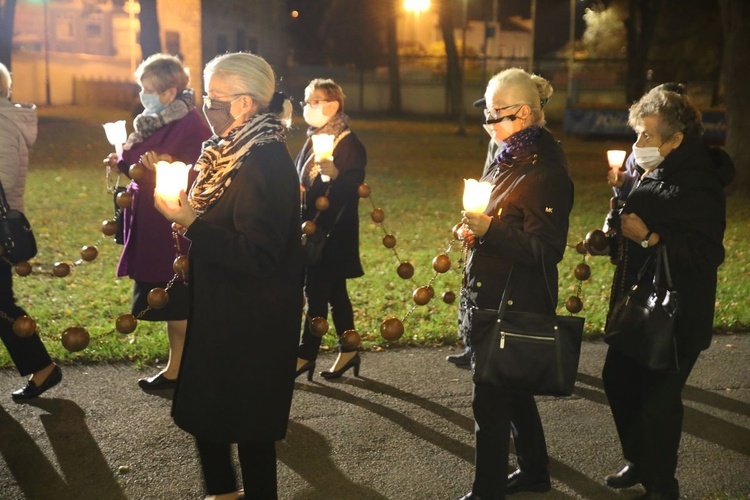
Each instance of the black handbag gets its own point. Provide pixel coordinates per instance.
(525, 352)
(119, 216)
(313, 244)
(642, 323)
(16, 238)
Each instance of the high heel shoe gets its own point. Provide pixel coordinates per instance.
(308, 367)
(354, 362)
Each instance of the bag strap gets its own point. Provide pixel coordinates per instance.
(4, 207)
(538, 250)
(662, 259)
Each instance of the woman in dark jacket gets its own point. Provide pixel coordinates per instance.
(242, 219)
(169, 125)
(337, 180)
(678, 202)
(524, 229)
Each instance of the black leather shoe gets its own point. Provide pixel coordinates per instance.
(626, 478)
(470, 496)
(352, 363)
(32, 390)
(463, 359)
(519, 481)
(308, 367)
(157, 383)
(657, 495)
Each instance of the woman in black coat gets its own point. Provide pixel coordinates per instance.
(242, 218)
(524, 229)
(678, 202)
(336, 180)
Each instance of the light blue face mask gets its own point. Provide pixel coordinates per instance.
(151, 103)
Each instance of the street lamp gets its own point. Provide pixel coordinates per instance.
(416, 6)
(132, 8)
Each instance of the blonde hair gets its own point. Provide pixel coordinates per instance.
(165, 71)
(249, 74)
(5, 81)
(516, 86)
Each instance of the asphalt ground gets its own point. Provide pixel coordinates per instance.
(404, 430)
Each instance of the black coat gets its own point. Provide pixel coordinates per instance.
(683, 201)
(530, 205)
(341, 253)
(237, 373)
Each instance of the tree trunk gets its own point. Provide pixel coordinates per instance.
(394, 77)
(7, 17)
(150, 39)
(454, 74)
(640, 25)
(735, 18)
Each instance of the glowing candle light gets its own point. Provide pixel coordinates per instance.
(171, 178)
(616, 157)
(116, 135)
(476, 195)
(322, 145)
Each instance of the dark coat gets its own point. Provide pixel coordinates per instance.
(530, 205)
(148, 252)
(341, 253)
(237, 373)
(683, 201)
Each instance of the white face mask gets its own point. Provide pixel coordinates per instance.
(314, 116)
(649, 157)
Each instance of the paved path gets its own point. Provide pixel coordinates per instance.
(402, 431)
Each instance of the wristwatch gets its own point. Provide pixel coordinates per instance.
(644, 243)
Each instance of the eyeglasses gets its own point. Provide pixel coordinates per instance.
(208, 101)
(314, 103)
(491, 116)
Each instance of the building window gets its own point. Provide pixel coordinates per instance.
(252, 45)
(172, 41)
(64, 29)
(241, 37)
(93, 31)
(222, 45)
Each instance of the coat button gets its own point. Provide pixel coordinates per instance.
(510, 302)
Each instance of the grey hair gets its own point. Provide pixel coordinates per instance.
(249, 74)
(5, 82)
(165, 70)
(516, 86)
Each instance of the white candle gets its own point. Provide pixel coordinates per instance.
(322, 145)
(616, 157)
(171, 178)
(476, 195)
(116, 135)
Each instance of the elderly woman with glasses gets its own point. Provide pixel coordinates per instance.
(242, 219)
(524, 230)
(330, 198)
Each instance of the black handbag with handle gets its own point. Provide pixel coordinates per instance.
(17, 243)
(525, 352)
(642, 323)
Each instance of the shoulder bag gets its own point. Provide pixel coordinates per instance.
(17, 243)
(524, 352)
(642, 323)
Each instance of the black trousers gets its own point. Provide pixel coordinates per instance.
(320, 291)
(647, 409)
(28, 354)
(497, 415)
(257, 462)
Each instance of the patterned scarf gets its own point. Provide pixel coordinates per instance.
(517, 144)
(146, 124)
(336, 126)
(222, 157)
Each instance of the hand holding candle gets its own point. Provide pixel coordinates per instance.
(475, 200)
(116, 135)
(616, 157)
(322, 145)
(171, 179)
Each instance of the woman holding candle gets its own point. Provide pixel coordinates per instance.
(242, 219)
(679, 202)
(524, 229)
(169, 127)
(335, 179)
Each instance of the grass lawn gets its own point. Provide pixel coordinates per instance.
(415, 171)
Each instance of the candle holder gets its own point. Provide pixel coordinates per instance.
(476, 195)
(616, 158)
(171, 178)
(322, 145)
(116, 135)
